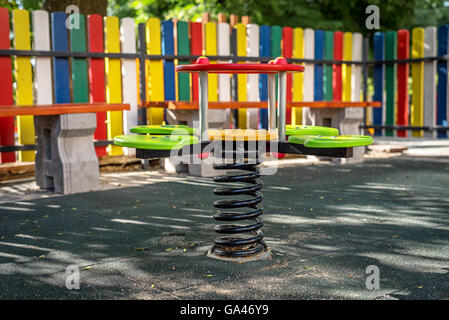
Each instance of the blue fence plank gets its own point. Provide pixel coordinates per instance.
(379, 54)
(60, 65)
(264, 51)
(442, 70)
(319, 55)
(168, 48)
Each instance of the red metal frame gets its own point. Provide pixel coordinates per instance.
(248, 68)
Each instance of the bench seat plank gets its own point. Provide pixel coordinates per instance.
(55, 109)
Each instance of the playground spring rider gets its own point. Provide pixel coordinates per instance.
(239, 242)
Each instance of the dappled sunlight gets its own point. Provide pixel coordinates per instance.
(130, 221)
(409, 263)
(197, 210)
(283, 218)
(170, 219)
(16, 208)
(151, 224)
(279, 188)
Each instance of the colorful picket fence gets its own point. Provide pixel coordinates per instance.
(421, 55)
(28, 80)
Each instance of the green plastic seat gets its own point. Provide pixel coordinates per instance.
(319, 141)
(154, 142)
(292, 130)
(164, 129)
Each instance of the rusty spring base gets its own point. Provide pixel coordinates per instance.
(238, 241)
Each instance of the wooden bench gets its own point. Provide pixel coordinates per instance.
(66, 161)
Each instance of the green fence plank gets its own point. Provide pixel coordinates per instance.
(183, 49)
(276, 49)
(79, 65)
(327, 73)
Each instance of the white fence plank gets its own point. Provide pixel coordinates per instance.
(309, 53)
(252, 49)
(129, 76)
(223, 49)
(43, 82)
(430, 50)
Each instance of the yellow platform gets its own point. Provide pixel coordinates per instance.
(242, 135)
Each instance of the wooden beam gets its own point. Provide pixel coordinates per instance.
(263, 104)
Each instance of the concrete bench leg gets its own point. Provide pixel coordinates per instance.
(347, 121)
(66, 161)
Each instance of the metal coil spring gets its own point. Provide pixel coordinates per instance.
(239, 240)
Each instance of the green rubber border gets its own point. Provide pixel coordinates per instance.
(312, 141)
(292, 130)
(154, 142)
(164, 129)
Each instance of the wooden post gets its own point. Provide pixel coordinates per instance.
(233, 20)
(246, 20)
(221, 18)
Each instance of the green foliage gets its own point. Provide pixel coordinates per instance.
(344, 15)
(21, 4)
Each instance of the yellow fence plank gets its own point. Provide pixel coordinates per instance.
(155, 71)
(347, 68)
(210, 30)
(417, 112)
(24, 80)
(298, 77)
(114, 80)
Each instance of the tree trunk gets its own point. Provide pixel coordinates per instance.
(86, 6)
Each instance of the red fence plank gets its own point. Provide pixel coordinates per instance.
(6, 91)
(196, 48)
(402, 81)
(96, 76)
(287, 52)
(337, 68)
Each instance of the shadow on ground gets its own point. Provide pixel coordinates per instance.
(324, 223)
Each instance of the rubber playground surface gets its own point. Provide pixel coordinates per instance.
(144, 236)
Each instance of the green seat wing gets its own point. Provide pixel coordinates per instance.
(292, 130)
(154, 142)
(319, 141)
(164, 129)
